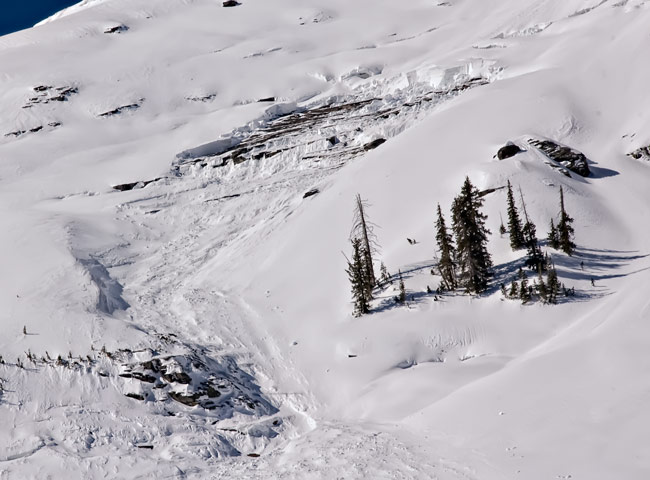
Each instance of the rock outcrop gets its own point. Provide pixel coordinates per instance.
(507, 151)
(566, 157)
(642, 153)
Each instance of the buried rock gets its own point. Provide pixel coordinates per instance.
(509, 150)
(311, 193)
(125, 187)
(374, 144)
(642, 153)
(116, 29)
(565, 156)
(196, 381)
(120, 110)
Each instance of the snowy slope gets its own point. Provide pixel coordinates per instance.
(204, 315)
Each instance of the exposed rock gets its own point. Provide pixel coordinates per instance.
(116, 29)
(267, 99)
(567, 157)
(311, 193)
(189, 400)
(509, 150)
(153, 365)
(143, 377)
(16, 133)
(136, 396)
(38, 128)
(374, 144)
(333, 140)
(642, 153)
(203, 98)
(120, 110)
(231, 3)
(124, 187)
(177, 377)
(195, 380)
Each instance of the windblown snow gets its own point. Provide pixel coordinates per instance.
(177, 183)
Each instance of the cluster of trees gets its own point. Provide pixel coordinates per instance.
(546, 291)
(524, 235)
(464, 261)
(360, 267)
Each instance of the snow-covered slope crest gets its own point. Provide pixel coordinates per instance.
(174, 296)
(77, 7)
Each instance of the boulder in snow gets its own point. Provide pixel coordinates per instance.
(567, 157)
(507, 151)
(642, 153)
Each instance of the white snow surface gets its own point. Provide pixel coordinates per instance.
(221, 271)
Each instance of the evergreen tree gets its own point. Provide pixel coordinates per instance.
(514, 290)
(358, 280)
(553, 238)
(542, 288)
(552, 283)
(401, 298)
(502, 227)
(524, 292)
(384, 275)
(446, 265)
(565, 229)
(472, 257)
(535, 259)
(514, 223)
(363, 230)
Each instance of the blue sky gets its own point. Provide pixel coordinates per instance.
(20, 14)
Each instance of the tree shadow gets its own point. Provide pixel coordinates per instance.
(586, 264)
(598, 172)
(387, 297)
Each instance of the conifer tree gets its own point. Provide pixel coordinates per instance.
(565, 229)
(502, 227)
(552, 283)
(402, 289)
(472, 257)
(363, 230)
(524, 292)
(446, 265)
(542, 288)
(514, 290)
(514, 222)
(535, 258)
(384, 275)
(358, 280)
(553, 238)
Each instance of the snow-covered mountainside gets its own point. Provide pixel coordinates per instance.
(177, 187)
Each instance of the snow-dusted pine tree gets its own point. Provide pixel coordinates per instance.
(535, 260)
(363, 230)
(553, 238)
(514, 222)
(468, 223)
(565, 229)
(401, 298)
(358, 279)
(446, 265)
